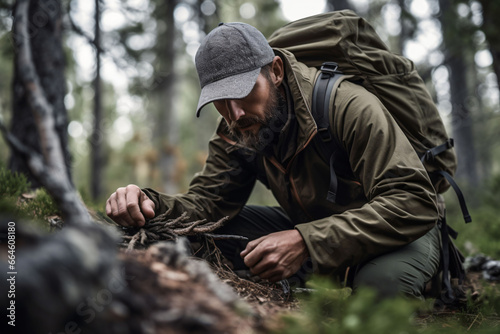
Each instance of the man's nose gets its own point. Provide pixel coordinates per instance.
(235, 110)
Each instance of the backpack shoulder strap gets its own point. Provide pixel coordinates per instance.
(322, 92)
(321, 98)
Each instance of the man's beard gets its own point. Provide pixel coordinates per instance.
(276, 115)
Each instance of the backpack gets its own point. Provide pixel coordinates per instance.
(343, 40)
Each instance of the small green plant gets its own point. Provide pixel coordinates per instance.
(483, 233)
(332, 310)
(12, 184)
(40, 206)
(15, 197)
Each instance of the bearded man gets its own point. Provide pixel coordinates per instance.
(382, 225)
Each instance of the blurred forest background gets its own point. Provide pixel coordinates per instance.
(130, 87)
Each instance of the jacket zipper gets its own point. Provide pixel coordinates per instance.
(286, 171)
(294, 191)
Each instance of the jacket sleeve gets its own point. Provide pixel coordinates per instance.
(219, 190)
(401, 202)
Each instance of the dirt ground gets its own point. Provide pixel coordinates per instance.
(262, 303)
(166, 290)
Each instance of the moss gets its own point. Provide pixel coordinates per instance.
(15, 199)
(12, 184)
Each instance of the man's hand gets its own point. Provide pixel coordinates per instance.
(276, 256)
(130, 206)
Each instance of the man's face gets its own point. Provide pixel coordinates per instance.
(257, 119)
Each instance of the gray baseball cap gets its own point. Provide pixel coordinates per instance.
(229, 61)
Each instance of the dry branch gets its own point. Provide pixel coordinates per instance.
(162, 228)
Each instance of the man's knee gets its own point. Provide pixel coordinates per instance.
(404, 271)
(389, 282)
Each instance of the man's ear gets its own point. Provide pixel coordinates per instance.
(277, 71)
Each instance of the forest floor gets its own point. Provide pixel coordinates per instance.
(170, 293)
(269, 303)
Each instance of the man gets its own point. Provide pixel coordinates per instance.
(382, 225)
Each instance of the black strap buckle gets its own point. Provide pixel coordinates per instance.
(330, 68)
(325, 134)
(450, 143)
(431, 153)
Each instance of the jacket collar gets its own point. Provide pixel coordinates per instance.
(300, 80)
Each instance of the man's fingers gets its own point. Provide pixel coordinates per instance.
(130, 206)
(147, 206)
(122, 211)
(112, 209)
(122, 208)
(264, 268)
(109, 205)
(252, 254)
(134, 211)
(275, 278)
(251, 246)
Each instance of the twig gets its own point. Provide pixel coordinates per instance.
(477, 315)
(225, 236)
(134, 239)
(161, 219)
(190, 228)
(162, 228)
(143, 235)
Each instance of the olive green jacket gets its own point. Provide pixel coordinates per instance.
(385, 202)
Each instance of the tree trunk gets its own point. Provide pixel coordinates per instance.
(45, 35)
(97, 138)
(491, 12)
(164, 97)
(407, 23)
(461, 123)
(50, 167)
(338, 5)
(207, 23)
(460, 114)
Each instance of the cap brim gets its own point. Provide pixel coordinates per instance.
(234, 87)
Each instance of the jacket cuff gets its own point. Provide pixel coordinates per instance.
(154, 196)
(321, 249)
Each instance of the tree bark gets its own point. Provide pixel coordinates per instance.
(207, 23)
(338, 5)
(96, 141)
(491, 12)
(461, 119)
(50, 167)
(45, 36)
(407, 22)
(166, 129)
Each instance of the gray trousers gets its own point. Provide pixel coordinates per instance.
(404, 271)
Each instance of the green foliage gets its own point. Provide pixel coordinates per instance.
(482, 235)
(12, 184)
(333, 310)
(492, 192)
(490, 302)
(40, 206)
(37, 206)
